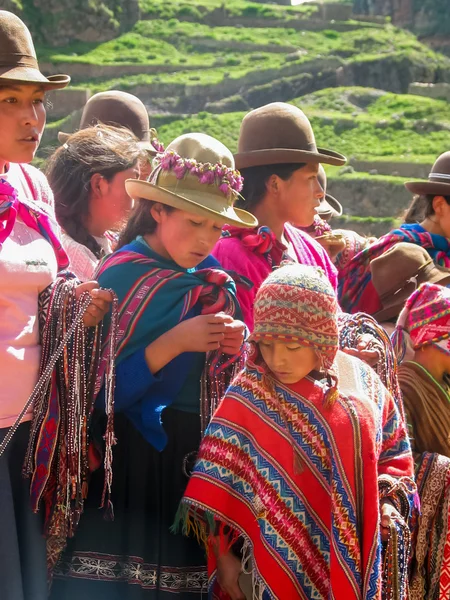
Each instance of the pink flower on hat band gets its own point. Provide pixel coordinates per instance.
(229, 181)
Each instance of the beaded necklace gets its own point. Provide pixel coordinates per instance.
(63, 401)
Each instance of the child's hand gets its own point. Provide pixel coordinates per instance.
(201, 334)
(228, 571)
(388, 512)
(233, 337)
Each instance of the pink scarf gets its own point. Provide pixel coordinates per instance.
(11, 207)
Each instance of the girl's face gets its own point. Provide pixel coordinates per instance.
(109, 204)
(299, 196)
(183, 237)
(22, 121)
(289, 362)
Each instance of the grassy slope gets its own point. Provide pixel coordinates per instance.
(359, 122)
(356, 121)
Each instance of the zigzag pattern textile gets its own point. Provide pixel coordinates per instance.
(311, 532)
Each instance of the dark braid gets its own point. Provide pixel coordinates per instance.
(101, 149)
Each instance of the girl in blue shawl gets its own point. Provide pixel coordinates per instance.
(176, 308)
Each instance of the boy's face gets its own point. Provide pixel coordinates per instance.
(289, 362)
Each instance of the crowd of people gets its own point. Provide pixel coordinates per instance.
(207, 391)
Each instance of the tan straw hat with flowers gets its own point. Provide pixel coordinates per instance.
(280, 133)
(195, 173)
(438, 183)
(18, 62)
(122, 109)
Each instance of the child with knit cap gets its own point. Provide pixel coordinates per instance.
(305, 461)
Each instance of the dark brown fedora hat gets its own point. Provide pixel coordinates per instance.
(438, 183)
(329, 206)
(398, 272)
(18, 62)
(280, 133)
(117, 108)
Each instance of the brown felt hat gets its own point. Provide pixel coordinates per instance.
(329, 206)
(280, 133)
(18, 62)
(117, 108)
(398, 272)
(438, 183)
(186, 192)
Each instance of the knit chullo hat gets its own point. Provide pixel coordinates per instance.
(297, 303)
(425, 319)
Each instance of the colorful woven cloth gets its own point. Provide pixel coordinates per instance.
(253, 253)
(427, 405)
(313, 533)
(155, 295)
(430, 566)
(356, 292)
(425, 318)
(354, 244)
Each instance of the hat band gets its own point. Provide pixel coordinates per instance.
(438, 176)
(10, 59)
(428, 266)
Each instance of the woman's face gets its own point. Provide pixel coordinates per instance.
(184, 237)
(299, 196)
(22, 121)
(442, 215)
(289, 362)
(110, 204)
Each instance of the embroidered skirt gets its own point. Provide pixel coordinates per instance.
(136, 556)
(23, 569)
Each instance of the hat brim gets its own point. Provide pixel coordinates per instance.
(428, 187)
(393, 308)
(329, 207)
(148, 146)
(228, 215)
(278, 156)
(29, 75)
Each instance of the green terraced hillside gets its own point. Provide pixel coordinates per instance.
(201, 64)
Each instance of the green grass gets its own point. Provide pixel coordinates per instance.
(362, 123)
(371, 134)
(186, 9)
(166, 42)
(340, 173)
